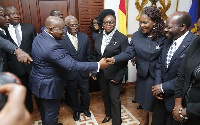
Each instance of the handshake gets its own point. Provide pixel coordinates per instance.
(106, 62)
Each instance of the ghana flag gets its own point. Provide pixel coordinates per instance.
(122, 17)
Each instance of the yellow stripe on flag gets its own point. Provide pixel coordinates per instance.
(122, 17)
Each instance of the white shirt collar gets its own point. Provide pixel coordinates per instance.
(180, 39)
(49, 34)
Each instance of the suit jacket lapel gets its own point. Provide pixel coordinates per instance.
(3, 35)
(112, 40)
(23, 33)
(68, 43)
(79, 42)
(98, 43)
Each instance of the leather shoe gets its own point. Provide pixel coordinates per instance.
(106, 120)
(139, 107)
(76, 116)
(87, 113)
(133, 101)
(60, 124)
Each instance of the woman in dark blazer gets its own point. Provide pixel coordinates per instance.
(146, 45)
(187, 92)
(95, 27)
(109, 43)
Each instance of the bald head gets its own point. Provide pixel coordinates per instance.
(182, 17)
(55, 27)
(51, 21)
(177, 25)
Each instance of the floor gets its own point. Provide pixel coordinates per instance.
(130, 115)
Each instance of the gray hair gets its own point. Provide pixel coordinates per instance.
(69, 17)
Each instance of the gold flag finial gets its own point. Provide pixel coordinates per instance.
(139, 7)
(164, 8)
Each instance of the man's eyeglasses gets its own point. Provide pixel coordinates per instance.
(73, 25)
(13, 14)
(108, 22)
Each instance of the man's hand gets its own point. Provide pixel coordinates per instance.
(22, 56)
(175, 113)
(133, 61)
(156, 90)
(94, 77)
(160, 96)
(112, 60)
(104, 63)
(14, 111)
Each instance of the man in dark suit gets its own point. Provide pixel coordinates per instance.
(51, 60)
(26, 34)
(5, 45)
(77, 80)
(177, 29)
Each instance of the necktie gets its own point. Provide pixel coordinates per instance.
(17, 35)
(170, 53)
(75, 42)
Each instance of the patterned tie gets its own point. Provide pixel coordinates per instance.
(170, 53)
(75, 42)
(17, 35)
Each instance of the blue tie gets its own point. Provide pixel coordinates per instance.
(170, 53)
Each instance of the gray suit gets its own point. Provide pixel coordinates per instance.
(5, 45)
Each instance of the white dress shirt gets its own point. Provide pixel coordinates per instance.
(11, 30)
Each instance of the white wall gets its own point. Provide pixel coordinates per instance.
(133, 24)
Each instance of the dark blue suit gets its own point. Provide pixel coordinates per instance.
(168, 77)
(50, 59)
(77, 80)
(146, 52)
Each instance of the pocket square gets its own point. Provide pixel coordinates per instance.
(114, 43)
(182, 56)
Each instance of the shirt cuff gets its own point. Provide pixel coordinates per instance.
(162, 88)
(98, 66)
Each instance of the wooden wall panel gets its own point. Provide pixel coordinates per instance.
(46, 7)
(88, 9)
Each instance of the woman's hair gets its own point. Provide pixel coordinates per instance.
(105, 13)
(155, 15)
(91, 24)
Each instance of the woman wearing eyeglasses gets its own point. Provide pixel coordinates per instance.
(146, 46)
(96, 27)
(109, 43)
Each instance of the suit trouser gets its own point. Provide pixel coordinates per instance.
(28, 101)
(49, 110)
(111, 98)
(72, 92)
(161, 116)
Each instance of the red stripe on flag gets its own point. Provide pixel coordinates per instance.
(122, 6)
